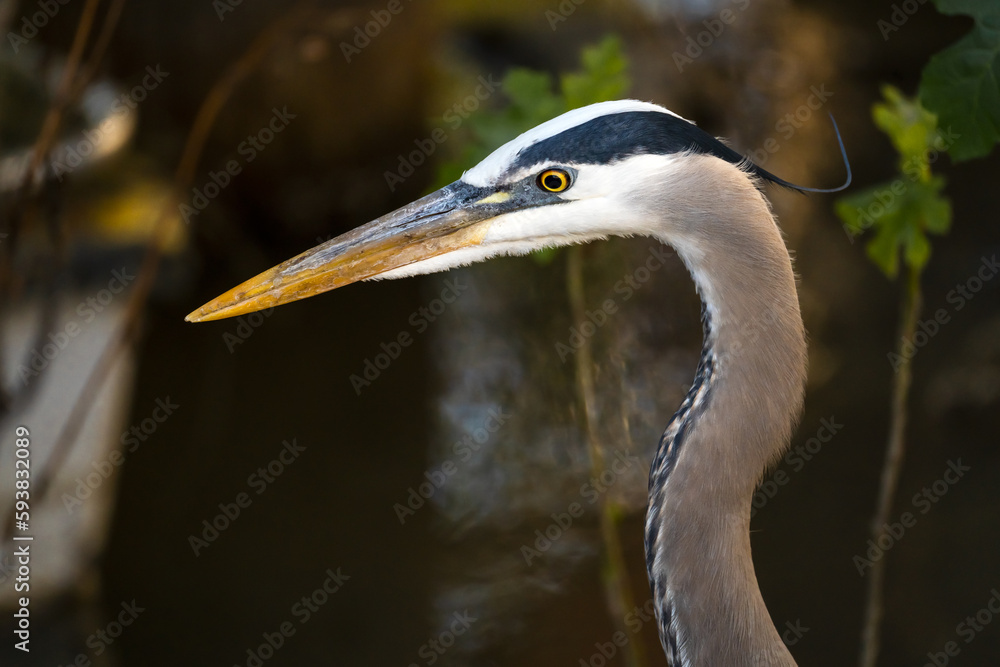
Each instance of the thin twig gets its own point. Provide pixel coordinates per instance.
(53, 119)
(100, 47)
(10, 224)
(617, 584)
(69, 92)
(893, 464)
(123, 336)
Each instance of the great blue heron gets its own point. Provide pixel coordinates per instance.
(632, 168)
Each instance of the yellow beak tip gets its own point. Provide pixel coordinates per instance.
(199, 315)
(221, 307)
(364, 253)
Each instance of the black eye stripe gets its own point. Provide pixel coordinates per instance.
(617, 136)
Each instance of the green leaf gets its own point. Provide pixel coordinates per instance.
(961, 84)
(531, 94)
(911, 128)
(901, 213)
(937, 214)
(882, 251)
(917, 249)
(604, 76)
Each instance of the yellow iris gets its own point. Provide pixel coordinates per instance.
(554, 180)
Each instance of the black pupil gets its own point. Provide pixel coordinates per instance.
(553, 181)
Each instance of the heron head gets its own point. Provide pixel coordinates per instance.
(586, 174)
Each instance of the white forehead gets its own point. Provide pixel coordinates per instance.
(496, 163)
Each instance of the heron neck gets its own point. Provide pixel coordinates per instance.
(734, 423)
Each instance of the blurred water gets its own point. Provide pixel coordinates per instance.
(507, 347)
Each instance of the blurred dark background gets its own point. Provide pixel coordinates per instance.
(243, 388)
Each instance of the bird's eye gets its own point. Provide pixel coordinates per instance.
(553, 180)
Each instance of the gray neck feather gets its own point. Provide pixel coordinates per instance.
(734, 423)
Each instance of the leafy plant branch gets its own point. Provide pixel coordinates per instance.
(957, 111)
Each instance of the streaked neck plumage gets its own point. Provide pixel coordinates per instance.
(735, 422)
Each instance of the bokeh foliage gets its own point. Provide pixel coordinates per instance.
(961, 84)
(533, 99)
(957, 110)
(903, 211)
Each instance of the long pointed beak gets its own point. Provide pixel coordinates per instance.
(454, 217)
